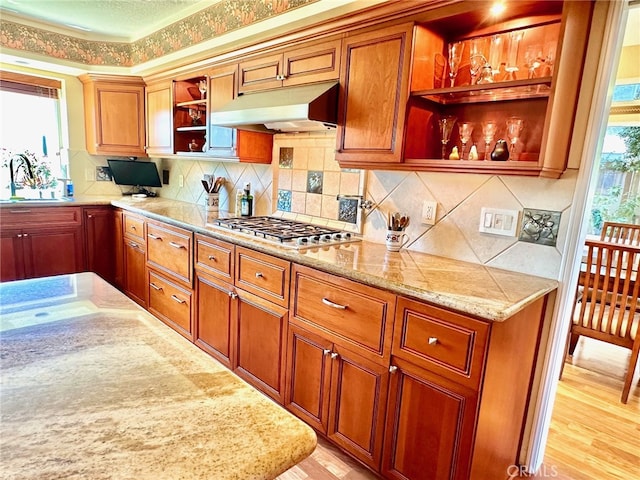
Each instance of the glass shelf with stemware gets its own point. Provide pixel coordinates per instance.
(190, 115)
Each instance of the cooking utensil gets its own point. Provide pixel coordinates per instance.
(205, 184)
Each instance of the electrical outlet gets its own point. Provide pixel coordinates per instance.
(181, 180)
(429, 208)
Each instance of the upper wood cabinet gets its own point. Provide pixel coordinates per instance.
(307, 64)
(114, 115)
(375, 75)
(190, 114)
(535, 56)
(159, 101)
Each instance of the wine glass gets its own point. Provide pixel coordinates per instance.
(477, 60)
(495, 54)
(465, 129)
(446, 127)
(532, 59)
(514, 128)
(489, 129)
(512, 52)
(202, 86)
(455, 57)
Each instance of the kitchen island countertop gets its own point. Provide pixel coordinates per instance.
(95, 387)
(489, 293)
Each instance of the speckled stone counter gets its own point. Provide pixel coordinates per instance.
(489, 293)
(93, 387)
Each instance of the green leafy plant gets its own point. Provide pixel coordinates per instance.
(40, 167)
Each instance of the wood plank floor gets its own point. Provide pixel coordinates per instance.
(593, 436)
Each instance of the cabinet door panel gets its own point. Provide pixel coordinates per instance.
(260, 73)
(430, 427)
(215, 319)
(358, 400)
(159, 119)
(375, 72)
(100, 242)
(309, 374)
(54, 252)
(135, 279)
(315, 63)
(261, 343)
(11, 261)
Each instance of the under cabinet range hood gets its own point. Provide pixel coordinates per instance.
(288, 109)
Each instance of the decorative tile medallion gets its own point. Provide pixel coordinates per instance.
(284, 200)
(540, 226)
(286, 157)
(348, 210)
(314, 181)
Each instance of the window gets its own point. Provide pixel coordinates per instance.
(30, 125)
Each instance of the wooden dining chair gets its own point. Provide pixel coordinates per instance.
(616, 232)
(606, 304)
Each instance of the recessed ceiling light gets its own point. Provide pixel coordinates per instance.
(497, 8)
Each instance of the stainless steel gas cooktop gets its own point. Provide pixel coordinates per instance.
(286, 233)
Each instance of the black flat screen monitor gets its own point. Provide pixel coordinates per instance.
(135, 174)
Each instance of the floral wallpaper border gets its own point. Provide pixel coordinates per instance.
(220, 18)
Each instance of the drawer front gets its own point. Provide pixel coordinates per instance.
(343, 310)
(263, 275)
(171, 303)
(134, 227)
(447, 343)
(169, 250)
(215, 257)
(40, 216)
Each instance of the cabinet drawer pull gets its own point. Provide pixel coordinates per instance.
(133, 245)
(20, 211)
(334, 355)
(154, 286)
(19, 235)
(133, 227)
(176, 245)
(333, 305)
(393, 369)
(259, 275)
(326, 351)
(433, 340)
(153, 237)
(25, 234)
(179, 300)
(211, 257)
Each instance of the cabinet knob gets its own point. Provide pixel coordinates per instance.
(326, 351)
(393, 369)
(133, 227)
(433, 340)
(89, 216)
(233, 295)
(259, 275)
(211, 257)
(25, 234)
(334, 355)
(19, 235)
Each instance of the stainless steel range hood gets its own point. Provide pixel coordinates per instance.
(288, 109)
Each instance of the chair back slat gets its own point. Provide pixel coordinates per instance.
(608, 288)
(616, 232)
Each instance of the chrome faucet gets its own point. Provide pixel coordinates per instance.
(28, 168)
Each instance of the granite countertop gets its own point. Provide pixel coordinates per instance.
(488, 293)
(95, 387)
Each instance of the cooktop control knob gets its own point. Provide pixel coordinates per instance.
(302, 241)
(326, 238)
(337, 236)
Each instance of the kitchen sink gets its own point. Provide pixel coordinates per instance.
(33, 200)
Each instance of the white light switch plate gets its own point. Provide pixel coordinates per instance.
(498, 221)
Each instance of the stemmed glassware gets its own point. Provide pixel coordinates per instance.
(465, 129)
(533, 59)
(477, 59)
(512, 52)
(514, 128)
(446, 127)
(455, 57)
(489, 129)
(202, 86)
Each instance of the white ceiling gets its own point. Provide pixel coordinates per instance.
(115, 20)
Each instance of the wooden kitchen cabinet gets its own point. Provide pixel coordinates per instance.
(171, 303)
(456, 366)
(405, 134)
(338, 392)
(159, 118)
(338, 359)
(100, 241)
(135, 283)
(225, 142)
(170, 251)
(114, 114)
(118, 251)
(190, 115)
(308, 63)
(375, 72)
(41, 241)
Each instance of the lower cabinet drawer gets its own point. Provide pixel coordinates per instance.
(169, 249)
(263, 275)
(441, 341)
(171, 303)
(215, 257)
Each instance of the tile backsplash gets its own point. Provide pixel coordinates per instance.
(304, 181)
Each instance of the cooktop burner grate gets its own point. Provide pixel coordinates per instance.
(279, 229)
